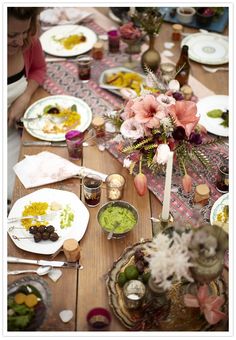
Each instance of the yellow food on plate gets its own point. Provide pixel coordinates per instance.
(66, 119)
(72, 40)
(31, 300)
(20, 298)
(125, 79)
(32, 209)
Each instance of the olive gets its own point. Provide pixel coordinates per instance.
(50, 229)
(45, 236)
(33, 229)
(41, 229)
(53, 110)
(54, 237)
(37, 237)
(225, 115)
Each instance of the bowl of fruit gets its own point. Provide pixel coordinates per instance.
(204, 15)
(28, 300)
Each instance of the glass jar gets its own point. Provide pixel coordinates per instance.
(177, 32)
(167, 72)
(98, 123)
(97, 51)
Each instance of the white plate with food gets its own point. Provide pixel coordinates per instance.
(220, 212)
(207, 48)
(51, 117)
(213, 114)
(117, 78)
(68, 40)
(66, 213)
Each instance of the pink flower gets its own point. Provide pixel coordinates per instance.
(128, 112)
(184, 114)
(187, 183)
(130, 128)
(162, 154)
(128, 31)
(145, 109)
(209, 304)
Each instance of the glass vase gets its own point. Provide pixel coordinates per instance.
(156, 294)
(151, 57)
(132, 48)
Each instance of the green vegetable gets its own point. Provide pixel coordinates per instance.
(220, 114)
(67, 217)
(215, 113)
(74, 108)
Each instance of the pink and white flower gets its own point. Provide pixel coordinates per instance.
(162, 153)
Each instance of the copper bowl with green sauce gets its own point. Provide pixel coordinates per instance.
(118, 218)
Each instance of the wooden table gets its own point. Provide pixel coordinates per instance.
(84, 289)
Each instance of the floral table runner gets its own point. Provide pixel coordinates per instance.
(62, 78)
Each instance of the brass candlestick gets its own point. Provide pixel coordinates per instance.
(160, 224)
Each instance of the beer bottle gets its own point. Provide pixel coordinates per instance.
(183, 67)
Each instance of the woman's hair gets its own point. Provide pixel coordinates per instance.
(25, 13)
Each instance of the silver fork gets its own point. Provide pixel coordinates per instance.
(213, 70)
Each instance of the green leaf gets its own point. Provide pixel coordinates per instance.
(217, 113)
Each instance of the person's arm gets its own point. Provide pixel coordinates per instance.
(35, 68)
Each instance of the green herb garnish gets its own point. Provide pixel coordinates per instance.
(217, 113)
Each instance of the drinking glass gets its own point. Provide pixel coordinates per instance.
(84, 68)
(92, 190)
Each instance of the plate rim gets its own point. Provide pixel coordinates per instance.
(68, 53)
(86, 215)
(50, 136)
(114, 89)
(199, 60)
(207, 127)
(216, 204)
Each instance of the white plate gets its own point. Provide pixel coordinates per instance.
(207, 48)
(115, 89)
(218, 207)
(35, 128)
(55, 48)
(76, 231)
(213, 124)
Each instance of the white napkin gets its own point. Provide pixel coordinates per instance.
(63, 16)
(46, 167)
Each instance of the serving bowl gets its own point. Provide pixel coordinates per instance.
(117, 218)
(23, 313)
(185, 14)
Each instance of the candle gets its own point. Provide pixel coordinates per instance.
(166, 202)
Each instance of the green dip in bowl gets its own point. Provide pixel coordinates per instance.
(118, 217)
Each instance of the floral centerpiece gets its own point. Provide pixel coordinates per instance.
(157, 122)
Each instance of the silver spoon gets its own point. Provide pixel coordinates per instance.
(116, 225)
(43, 270)
(213, 70)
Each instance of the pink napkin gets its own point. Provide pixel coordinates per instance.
(46, 167)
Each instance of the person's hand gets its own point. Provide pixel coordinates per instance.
(17, 109)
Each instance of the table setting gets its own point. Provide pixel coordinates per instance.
(119, 172)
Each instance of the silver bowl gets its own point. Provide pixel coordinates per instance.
(114, 226)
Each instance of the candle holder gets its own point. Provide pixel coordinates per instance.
(161, 224)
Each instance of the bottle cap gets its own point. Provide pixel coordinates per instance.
(202, 189)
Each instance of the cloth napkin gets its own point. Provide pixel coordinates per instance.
(63, 16)
(46, 167)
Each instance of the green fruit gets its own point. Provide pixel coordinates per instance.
(145, 277)
(131, 272)
(121, 279)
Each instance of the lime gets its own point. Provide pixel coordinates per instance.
(131, 272)
(121, 279)
(145, 277)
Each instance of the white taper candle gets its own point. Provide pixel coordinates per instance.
(166, 202)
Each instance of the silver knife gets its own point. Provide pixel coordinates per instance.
(62, 264)
(35, 217)
(43, 143)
